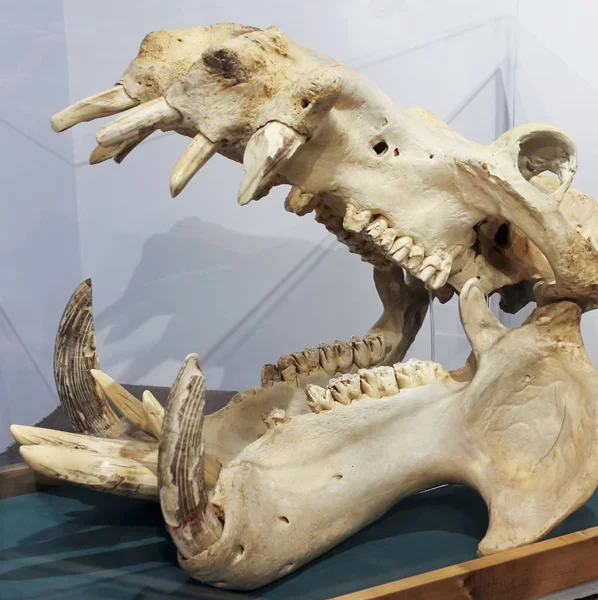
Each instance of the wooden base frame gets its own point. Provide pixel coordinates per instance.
(520, 574)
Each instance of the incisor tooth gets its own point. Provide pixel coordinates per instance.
(318, 398)
(100, 154)
(195, 156)
(154, 412)
(103, 104)
(130, 125)
(355, 221)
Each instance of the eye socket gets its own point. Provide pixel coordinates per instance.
(380, 148)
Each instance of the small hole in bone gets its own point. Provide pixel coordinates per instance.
(304, 103)
(284, 519)
(431, 156)
(396, 152)
(380, 148)
(179, 40)
(240, 550)
(338, 476)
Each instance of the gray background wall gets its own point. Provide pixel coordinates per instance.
(238, 285)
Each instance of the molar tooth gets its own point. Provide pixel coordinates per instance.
(274, 417)
(327, 358)
(313, 358)
(431, 261)
(416, 255)
(376, 346)
(361, 354)
(346, 388)
(377, 227)
(369, 383)
(299, 202)
(318, 398)
(400, 255)
(426, 274)
(404, 241)
(440, 279)
(301, 362)
(386, 380)
(355, 221)
(344, 355)
(270, 375)
(288, 369)
(387, 239)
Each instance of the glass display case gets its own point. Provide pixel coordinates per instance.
(242, 286)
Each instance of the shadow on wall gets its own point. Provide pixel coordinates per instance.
(196, 275)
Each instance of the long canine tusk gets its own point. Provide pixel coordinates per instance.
(134, 123)
(144, 452)
(268, 149)
(126, 403)
(74, 355)
(195, 156)
(191, 519)
(103, 104)
(154, 413)
(122, 476)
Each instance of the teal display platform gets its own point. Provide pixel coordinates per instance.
(71, 543)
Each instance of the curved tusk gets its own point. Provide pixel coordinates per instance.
(126, 403)
(268, 149)
(195, 156)
(122, 476)
(190, 518)
(138, 121)
(103, 104)
(154, 413)
(74, 355)
(144, 452)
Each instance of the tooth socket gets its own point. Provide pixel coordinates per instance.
(270, 375)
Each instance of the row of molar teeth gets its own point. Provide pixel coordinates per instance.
(433, 270)
(378, 382)
(338, 357)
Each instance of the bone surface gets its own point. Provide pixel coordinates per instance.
(339, 432)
